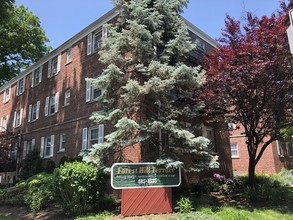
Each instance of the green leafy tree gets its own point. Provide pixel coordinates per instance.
(22, 40)
(148, 89)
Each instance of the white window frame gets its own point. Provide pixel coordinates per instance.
(28, 146)
(17, 118)
(50, 102)
(4, 123)
(283, 146)
(62, 142)
(205, 133)
(236, 150)
(54, 66)
(46, 146)
(6, 95)
(200, 45)
(90, 91)
(67, 97)
(20, 86)
(34, 111)
(92, 46)
(86, 136)
(69, 53)
(37, 74)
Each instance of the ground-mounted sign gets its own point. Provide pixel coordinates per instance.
(142, 175)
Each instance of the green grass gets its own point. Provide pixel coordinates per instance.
(238, 213)
(206, 212)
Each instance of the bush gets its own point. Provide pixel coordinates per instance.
(37, 197)
(268, 189)
(32, 165)
(286, 177)
(206, 186)
(50, 166)
(78, 187)
(36, 191)
(69, 159)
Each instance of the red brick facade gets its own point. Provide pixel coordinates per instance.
(272, 160)
(69, 121)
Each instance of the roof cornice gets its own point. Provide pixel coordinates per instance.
(90, 28)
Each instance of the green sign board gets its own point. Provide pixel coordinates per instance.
(141, 175)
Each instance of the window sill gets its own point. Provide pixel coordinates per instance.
(52, 76)
(33, 120)
(92, 100)
(36, 85)
(66, 105)
(61, 151)
(49, 115)
(47, 157)
(235, 157)
(69, 62)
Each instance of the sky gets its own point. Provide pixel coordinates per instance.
(62, 19)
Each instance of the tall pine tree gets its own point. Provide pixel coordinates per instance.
(147, 88)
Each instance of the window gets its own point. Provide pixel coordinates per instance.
(6, 95)
(20, 86)
(234, 150)
(33, 111)
(62, 143)
(92, 93)
(54, 66)
(208, 133)
(4, 123)
(200, 45)
(96, 40)
(284, 148)
(12, 151)
(67, 97)
(69, 55)
(91, 136)
(17, 118)
(47, 146)
(37, 76)
(28, 146)
(51, 105)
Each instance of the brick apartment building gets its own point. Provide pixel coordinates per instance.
(278, 155)
(49, 104)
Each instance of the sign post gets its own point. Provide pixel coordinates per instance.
(146, 187)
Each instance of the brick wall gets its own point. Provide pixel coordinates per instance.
(71, 119)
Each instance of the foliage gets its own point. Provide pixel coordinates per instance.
(250, 79)
(23, 41)
(206, 186)
(8, 141)
(11, 196)
(37, 197)
(32, 164)
(68, 159)
(50, 166)
(268, 189)
(36, 191)
(286, 177)
(184, 205)
(148, 90)
(78, 187)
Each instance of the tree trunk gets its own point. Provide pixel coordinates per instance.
(251, 173)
